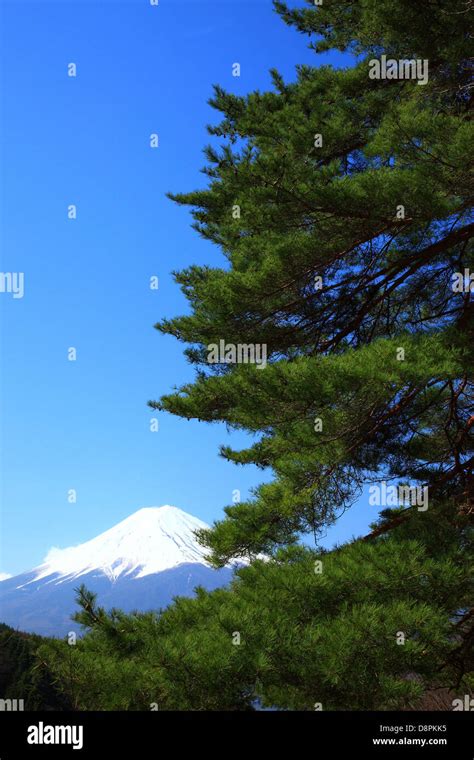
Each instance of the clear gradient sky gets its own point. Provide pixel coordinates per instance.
(84, 425)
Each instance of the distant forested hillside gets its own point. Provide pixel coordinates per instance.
(23, 675)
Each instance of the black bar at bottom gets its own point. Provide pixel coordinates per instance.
(384, 734)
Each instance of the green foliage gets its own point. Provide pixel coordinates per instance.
(25, 677)
(325, 271)
(308, 634)
(401, 28)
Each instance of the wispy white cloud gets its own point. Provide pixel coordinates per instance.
(4, 576)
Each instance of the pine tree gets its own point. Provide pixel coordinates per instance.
(368, 626)
(342, 205)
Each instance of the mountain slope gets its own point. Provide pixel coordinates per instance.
(141, 563)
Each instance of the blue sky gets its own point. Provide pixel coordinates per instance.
(84, 425)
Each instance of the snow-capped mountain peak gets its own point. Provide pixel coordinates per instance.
(142, 563)
(151, 540)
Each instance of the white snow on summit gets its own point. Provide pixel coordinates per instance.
(149, 541)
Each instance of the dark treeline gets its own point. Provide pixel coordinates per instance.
(24, 676)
